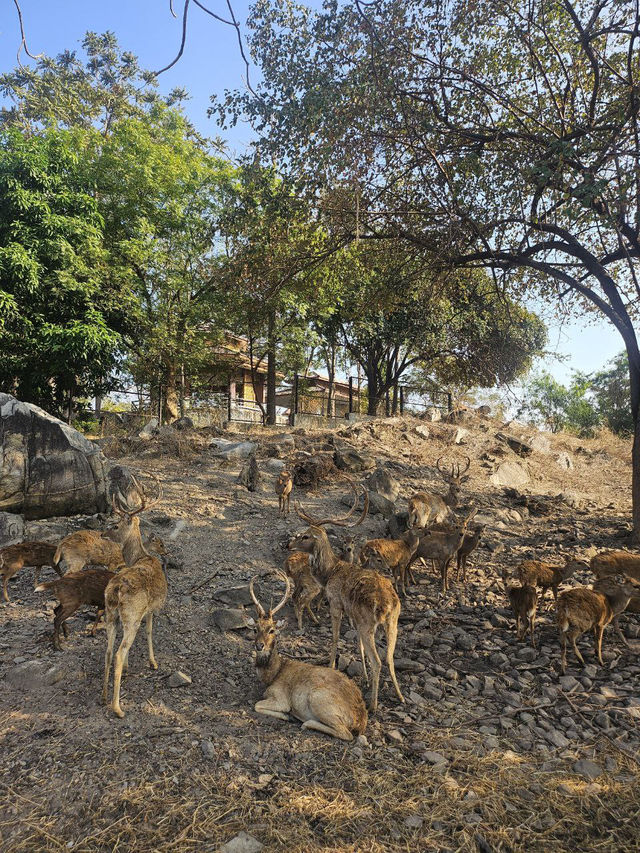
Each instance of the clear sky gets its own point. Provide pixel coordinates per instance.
(210, 64)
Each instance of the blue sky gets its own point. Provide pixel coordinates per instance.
(210, 64)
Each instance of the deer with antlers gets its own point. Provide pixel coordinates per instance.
(426, 508)
(136, 592)
(320, 697)
(367, 597)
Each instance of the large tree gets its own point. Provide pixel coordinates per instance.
(498, 134)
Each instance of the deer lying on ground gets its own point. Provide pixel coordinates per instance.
(442, 547)
(72, 591)
(393, 555)
(524, 602)
(426, 508)
(538, 574)
(582, 609)
(15, 557)
(284, 485)
(616, 563)
(136, 592)
(323, 699)
(367, 598)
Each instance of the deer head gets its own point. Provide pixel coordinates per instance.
(266, 628)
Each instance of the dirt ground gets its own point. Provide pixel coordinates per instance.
(492, 750)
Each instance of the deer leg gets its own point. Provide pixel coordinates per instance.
(274, 704)
(4, 588)
(518, 626)
(599, 644)
(391, 630)
(129, 635)
(369, 643)
(363, 659)
(152, 661)
(336, 619)
(563, 646)
(618, 631)
(111, 636)
(339, 730)
(532, 627)
(574, 637)
(95, 622)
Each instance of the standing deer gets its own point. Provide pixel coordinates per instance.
(367, 598)
(425, 507)
(305, 587)
(391, 554)
(442, 547)
(469, 544)
(538, 574)
(15, 557)
(284, 485)
(321, 698)
(524, 601)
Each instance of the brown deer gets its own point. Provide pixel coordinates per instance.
(284, 485)
(469, 544)
(15, 557)
(72, 591)
(393, 555)
(425, 507)
(442, 547)
(321, 698)
(538, 574)
(136, 592)
(367, 598)
(524, 602)
(582, 609)
(616, 563)
(305, 587)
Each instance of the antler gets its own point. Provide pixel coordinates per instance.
(259, 607)
(340, 522)
(283, 577)
(464, 471)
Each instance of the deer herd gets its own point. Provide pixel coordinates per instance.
(124, 578)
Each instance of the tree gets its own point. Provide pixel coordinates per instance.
(498, 135)
(59, 315)
(610, 390)
(557, 407)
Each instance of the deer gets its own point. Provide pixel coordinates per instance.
(524, 602)
(305, 587)
(72, 591)
(391, 554)
(582, 609)
(469, 544)
(538, 574)
(284, 485)
(442, 547)
(15, 557)
(322, 698)
(137, 592)
(425, 507)
(367, 597)
(616, 562)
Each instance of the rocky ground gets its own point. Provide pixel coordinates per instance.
(493, 750)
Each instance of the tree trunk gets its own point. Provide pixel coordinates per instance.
(330, 355)
(170, 402)
(271, 367)
(374, 393)
(634, 382)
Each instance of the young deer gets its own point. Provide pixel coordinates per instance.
(425, 507)
(284, 485)
(321, 698)
(582, 609)
(136, 592)
(442, 547)
(15, 557)
(538, 574)
(305, 587)
(616, 563)
(72, 591)
(393, 555)
(469, 544)
(367, 598)
(524, 602)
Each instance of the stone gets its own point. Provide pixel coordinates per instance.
(434, 757)
(568, 682)
(379, 505)
(516, 444)
(208, 749)
(274, 465)
(572, 498)
(183, 423)
(149, 429)
(484, 411)
(166, 431)
(422, 431)
(233, 596)
(510, 474)
(229, 450)
(47, 468)
(465, 641)
(460, 435)
(540, 443)
(558, 739)
(527, 654)
(242, 843)
(178, 679)
(230, 619)
(433, 414)
(349, 459)
(37, 675)
(565, 461)
(587, 768)
(413, 821)
(383, 483)
(11, 528)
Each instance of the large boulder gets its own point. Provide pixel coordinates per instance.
(510, 474)
(348, 459)
(47, 468)
(382, 482)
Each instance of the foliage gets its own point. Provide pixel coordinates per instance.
(557, 407)
(610, 390)
(58, 315)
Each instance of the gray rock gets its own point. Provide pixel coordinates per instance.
(274, 465)
(208, 749)
(242, 843)
(568, 682)
(149, 429)
(408, 665)
(516, 444)
(11, 528)
(47, 468)
(434, 757)
(233, 449)
(465, 641)
(37, 675)
(379, 505)
(183, 423)
(498, 659)
(178, 679)
(349, 459)
(540, 443)
(510, 474)
(234, 596)
(527, 654)
(460, 435)
(422, 431)
(572, 498)
(563, 460)
(230, 619)
(557, 739)
(587, 768)
(413, 821)
(383, 483)
(602, 720)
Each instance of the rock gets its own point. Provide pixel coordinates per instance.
(395, 734)
(540, 443)
(379, 505)
(434, 757)
(413, 821)
(460, 436)
(149, 429)
(572, 498)
(602, 720)
(230, 619)
(563, 460)
(233, 596)
(383, 483)
(311, 471)
(484, 411)
(229, 450)
(516, 444)
(47, 468)
(509, 516)
(242, 843)
(558, 739)
(274, 465)
(422, 431)
(349, 459)
(285, 441)
(208, 749)
(183, 423)
(498, 659)
(527, 654)
(568, 682)
(408, 665)
(166, 431)
(249, 475)
(11, 528)
(178, 679)
(397, 524)
(587, 768)
(465, 641)
(510, 474)
(37, 675)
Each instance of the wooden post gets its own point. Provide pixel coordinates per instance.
(351, 395)
(159, 404)
(229, 391)
(387, 403)
(293, 408)
(402, 399)
(449, 401)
